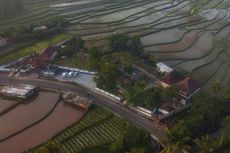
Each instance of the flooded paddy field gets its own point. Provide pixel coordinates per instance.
(181, 31)
(5, 104)
(35, 121)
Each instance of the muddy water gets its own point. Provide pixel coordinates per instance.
(27, 113)
(62, 117)
(5, 104)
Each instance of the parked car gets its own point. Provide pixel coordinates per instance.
(70, 74)
(75, 74)
(64, 74)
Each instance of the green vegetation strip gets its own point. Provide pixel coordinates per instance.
(36, 47)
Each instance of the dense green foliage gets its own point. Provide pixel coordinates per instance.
(170, 92)
(109, 67)
(94, 58)
(107, 76)
(148, 98)
(72, 49)
(209, 114)
(133, 139)
(67, 51)
(122, 42)
(175, 141)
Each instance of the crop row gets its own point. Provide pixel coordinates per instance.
(103, 133)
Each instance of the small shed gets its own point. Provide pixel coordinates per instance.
(18, 91)
(163, 68)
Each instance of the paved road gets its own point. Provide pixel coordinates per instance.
(97, 99)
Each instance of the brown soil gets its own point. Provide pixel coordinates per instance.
(5, 104)
(27, 113)
(62, 117)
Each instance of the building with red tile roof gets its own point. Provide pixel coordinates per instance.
(49, 53)
(170, 78)
(188, 87)
(37, 61)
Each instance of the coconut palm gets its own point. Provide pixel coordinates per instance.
(216, 86)
(173, 143)
(176, 148)
(204, 144)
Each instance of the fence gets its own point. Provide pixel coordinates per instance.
(169, 114)
(108, 94)
(3, 69)
(142, 110)
(76, 69)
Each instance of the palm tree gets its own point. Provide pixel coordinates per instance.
(174, 144)
(204, 144)
(216, 86)
(176, 148)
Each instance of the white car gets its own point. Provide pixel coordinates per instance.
(75, 74)
(64, 74)
(70, 74)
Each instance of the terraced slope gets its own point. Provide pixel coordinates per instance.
(97, 128)
(182, 33)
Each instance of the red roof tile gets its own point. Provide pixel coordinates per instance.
(171, 78)
(48, 53)
(38, 62)
(188, 86)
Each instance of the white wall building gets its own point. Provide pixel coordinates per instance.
(18, 91)
(163, 68)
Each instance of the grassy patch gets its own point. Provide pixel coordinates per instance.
(74, 61)
(36, 47)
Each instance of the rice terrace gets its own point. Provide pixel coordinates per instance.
(114, 76)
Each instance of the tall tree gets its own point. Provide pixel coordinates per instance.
(204, 144)
(107, 76)
(94, 58)
(136, 95)
(175, 140)
(216, 87)
(170, 92)
(118, 42)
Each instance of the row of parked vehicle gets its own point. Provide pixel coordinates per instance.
(69, 74)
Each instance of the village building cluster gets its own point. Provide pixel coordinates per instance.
(188, 87)
(36, 61)
(43, 63)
